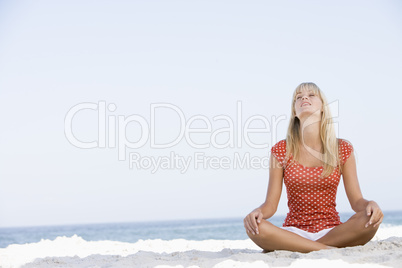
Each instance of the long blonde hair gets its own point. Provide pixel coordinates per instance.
(329, 155)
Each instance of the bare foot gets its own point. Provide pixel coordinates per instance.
(265, 251)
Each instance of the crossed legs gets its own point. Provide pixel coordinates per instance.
(351, 233)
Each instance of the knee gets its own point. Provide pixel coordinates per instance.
(361, 219)
(362, 233)
(264, 230)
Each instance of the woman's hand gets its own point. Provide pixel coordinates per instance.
(251, 221)
(375, 212)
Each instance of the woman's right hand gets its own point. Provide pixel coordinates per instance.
(252, 220)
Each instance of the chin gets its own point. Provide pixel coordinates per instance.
(307, 113)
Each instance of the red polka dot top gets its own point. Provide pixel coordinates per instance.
(311, 199)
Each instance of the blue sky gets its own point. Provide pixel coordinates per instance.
(204, 58)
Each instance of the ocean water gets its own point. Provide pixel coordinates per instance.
(203, 229)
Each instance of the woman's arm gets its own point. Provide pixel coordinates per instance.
(269, 207)
(354, 194)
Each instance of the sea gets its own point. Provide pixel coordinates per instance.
(199, 229)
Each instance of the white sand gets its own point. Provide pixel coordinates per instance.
(384, 251)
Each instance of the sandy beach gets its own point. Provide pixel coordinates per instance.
(385, 250)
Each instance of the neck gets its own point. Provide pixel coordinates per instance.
(310, 133)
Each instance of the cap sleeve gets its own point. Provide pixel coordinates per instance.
(279, 151)
(345, 150)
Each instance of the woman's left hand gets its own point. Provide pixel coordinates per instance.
(374, 212)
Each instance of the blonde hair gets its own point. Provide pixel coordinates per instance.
(329, 155)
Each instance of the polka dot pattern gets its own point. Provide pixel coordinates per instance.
(311, 199)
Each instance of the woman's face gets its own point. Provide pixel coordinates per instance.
(307, 102)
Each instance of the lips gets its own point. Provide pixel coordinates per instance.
(304, 104)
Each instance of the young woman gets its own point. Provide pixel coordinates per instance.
(310, 162)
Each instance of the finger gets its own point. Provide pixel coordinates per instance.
(252, 229)
(371, 220)
(368, 210)
(250, 226)
(247, 226)
(380, 221)
(375, 216)
(253, 222)
(259, 217)
(377, 224)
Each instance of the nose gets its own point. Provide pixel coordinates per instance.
(305, 97)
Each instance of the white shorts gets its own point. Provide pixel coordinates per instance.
(308, 235)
